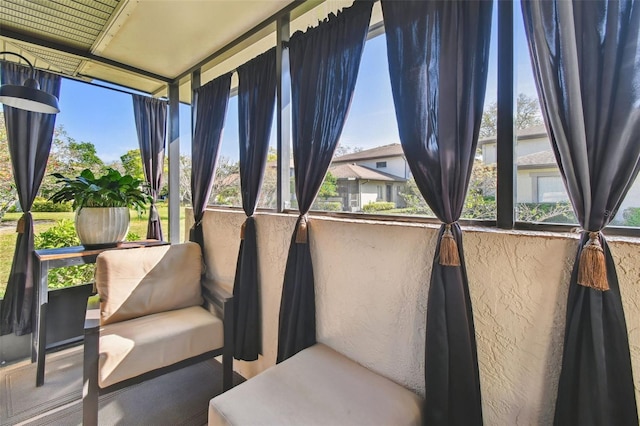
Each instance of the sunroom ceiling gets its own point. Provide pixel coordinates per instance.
(155, 40)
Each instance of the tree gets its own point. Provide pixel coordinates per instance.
(329, 187)
(69, 157)
(185, 180)
(226, 184)
(132, 163)
(346, 149)
(527, 115)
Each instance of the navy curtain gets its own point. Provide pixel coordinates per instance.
(29, 135)
(438, 54)
(210, 103)
(586, 60)
(324, 64)
(151, 124)
(256, 100)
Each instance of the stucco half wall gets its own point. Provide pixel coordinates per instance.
(371, 294)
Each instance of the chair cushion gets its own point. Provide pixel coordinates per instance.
(143, 281)
(130, 348)
(317, 386)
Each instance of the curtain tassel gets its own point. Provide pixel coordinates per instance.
(302, 233)
(449, 255)
(20, 226)
(242, 229)
(592, 270)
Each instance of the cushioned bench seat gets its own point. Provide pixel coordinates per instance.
(317, 386)
(127, 349)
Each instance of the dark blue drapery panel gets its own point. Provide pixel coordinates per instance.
(586, 60)
(438, 53)
(151, 124)
(29, 135)
(256, 100)
(324, 64)
(211, 102)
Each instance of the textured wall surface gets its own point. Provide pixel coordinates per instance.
(371, 294)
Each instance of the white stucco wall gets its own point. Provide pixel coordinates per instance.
(396, 166)
(368, 193)
(371, 295)
(523, 147)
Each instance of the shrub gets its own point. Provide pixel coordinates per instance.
(378, 206)
(63, 234)
(631, 216)
(328, 206)
(43, 205)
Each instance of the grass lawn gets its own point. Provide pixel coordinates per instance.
(45, 220)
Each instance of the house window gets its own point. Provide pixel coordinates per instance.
(550, 189)
(381, 164)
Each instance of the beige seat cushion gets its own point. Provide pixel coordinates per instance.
(317, 386)
(143, 281)
(130, 348)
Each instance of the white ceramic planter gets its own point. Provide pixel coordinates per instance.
(101, 226)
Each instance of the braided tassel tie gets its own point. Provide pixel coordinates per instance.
(592, 270)
(243, 228)
(449, 255)
(301, 236)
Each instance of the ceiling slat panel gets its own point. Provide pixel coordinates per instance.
(38, 28)
(99, 4)
(92, 8)
(50, 10)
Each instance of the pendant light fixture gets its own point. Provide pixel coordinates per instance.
(28, 96)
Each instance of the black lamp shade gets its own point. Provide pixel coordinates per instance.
(29, 97)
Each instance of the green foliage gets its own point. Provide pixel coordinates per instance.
(561, 212)
(413, 200)
(631, 216)
(226, 185)
(63, 234)
(132, 236)
(132, 163)
(329, 187)
(68, 157)
(327, 206)
(109, 190)
(378, 206)
(527, 115)
(43, 205)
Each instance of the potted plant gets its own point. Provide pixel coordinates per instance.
(102, 204)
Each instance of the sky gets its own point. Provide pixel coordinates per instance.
(105, 117)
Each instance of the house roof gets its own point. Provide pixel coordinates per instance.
(391, 150)
(354, 171)
(537, 159)
(533, 132)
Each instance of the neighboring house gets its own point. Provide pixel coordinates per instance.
(377, 174)
(538, 176)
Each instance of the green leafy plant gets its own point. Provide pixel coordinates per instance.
(378, 206)
(43, 205)
(631, 216)
(109, 190)
(63, 234)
